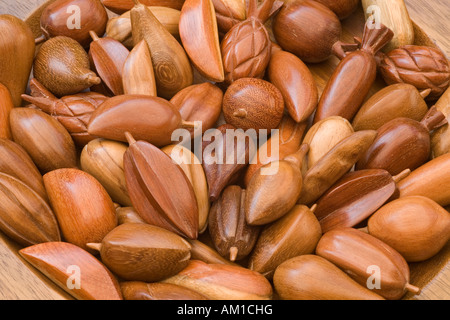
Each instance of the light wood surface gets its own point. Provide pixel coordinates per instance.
(19, 280)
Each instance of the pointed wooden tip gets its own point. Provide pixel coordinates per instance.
(136, 2)
(425, 93)
(92, 79)
(233, 253)
(313, 208)
(129, 138)
(93, 35)
(412, 288)
(94, 246)
(40, 102)
(402, 175)
(40, 39)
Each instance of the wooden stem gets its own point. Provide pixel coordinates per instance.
(313, 208)
(129, 138)
(42, 103)
(233, 253)
(188, 124)
(425, 93)
(94, 35)
(40, 39)
(402, 175)
(94, 246)
(412, 288)
(433, 119)
(241, 113)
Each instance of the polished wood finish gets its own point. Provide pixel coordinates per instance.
(57, 260)
(354, 198)
(83, 208)
(311, 277)
(120, 6)
(193, 170)
(394, 15)
(251, 103)
(409, 64)
(223, 282)
(16, 162)
(119, 27)
(73, 111)
(200, 38)
(199, 102)
(203, 252)
(295, 234)
(354, 76)
(355, 251)
(137, 290)
(55, 19)
(402, 144)
(334, 165)
(132, 113)
(324, 136)
(430, 180)
(417, 227)
(233, 238)
(6, 105)
(143, 252)
(246, 47)
(24, 215)
(395, 101)
(229, 13)
(44, 138)
(55, 57)
(159, 190)
(103, 159)
(172, 67)
(342, 8)
(295, 82)
(138, 76)
(17, 47)
(440, 138)
(274, 189)
(313, 30)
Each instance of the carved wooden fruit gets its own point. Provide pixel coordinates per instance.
(402, 144)
(440, 138)
(415, 226)
(82, 206)
(274, 189)
(295, 82)
(200, 38)
(60, 19)
(18, 49)
(159, 190)
(229, 13)
(232, 236)
(395, 101)
(25, 216)
(357, 252)
(246, 48)
(355, 197)
(121, 6)
(6, 105)
(58, 261)
(311, 277)
(62, 66)
(294, 234)
(223, 282)
(342, 8)
(137, 290)
(142, 252)
(251, 103)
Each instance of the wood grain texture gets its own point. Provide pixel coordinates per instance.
(18, 280)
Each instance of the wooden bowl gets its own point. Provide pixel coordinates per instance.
(20, 281)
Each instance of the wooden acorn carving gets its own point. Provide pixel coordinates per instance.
(58, 17)
(274, 189)
(402, 144)
(246, 48)
(352, 79)
(62, 66)
(232, 236)
(73, 111)
(173, 70)
(357, 252)
(417, 227)
(355, 197)
(421, 66)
